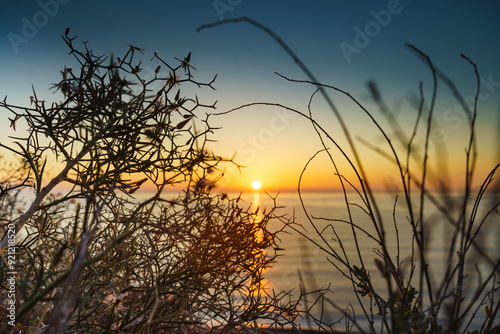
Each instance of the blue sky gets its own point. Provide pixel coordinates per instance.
(33, 53)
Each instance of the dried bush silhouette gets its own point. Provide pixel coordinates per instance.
(95, 258)
(415, 297)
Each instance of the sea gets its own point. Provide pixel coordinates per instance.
(317, 238)
(321, 239)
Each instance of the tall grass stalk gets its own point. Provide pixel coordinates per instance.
(415, 297)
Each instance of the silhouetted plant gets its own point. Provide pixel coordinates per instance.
(95, 258)
(415, 298)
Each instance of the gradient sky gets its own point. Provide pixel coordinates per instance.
(273, 144)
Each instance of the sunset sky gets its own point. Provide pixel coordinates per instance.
(345, 44)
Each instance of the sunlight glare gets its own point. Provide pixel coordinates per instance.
(256, 185)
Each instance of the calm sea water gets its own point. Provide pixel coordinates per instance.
(303, 263)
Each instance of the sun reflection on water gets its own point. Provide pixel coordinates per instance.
(258, 283)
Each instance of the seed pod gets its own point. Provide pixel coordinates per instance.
(182, 124)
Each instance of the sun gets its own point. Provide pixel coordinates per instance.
(256, 185)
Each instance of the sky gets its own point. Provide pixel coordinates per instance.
(345, 44)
